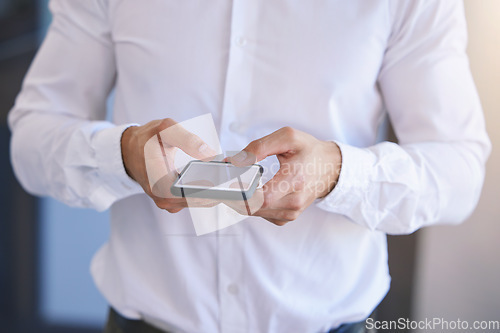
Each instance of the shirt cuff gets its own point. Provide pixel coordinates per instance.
(116, 183)
(353, 183)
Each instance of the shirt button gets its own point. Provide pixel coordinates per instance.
(232, 289)
(240, 41)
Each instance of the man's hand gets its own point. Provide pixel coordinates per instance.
(148, 153)
(309, 169)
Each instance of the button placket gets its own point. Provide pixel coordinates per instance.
(235, 112)
(239, 75)
(231, 279)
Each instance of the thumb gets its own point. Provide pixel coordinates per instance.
(191, 144)
(282, 141)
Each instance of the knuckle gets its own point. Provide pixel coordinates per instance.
(291, 215)
(153, 125)
(256, 146)
(193, 140)
(164, 204)
(280, 223)
(299, 183)
(160, 204)
(289, 132)
(295, 203)
(152, 128)
(266, 203)
(164, 123)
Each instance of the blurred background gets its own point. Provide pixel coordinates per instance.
(45, 248)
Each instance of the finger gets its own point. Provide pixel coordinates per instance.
(247, 206)
(180, 202)
(277, 222)
(193, 202)
(288, 208)
(173, 211)
(237, 205)
(159, 169)
(291, 202)
(177, 136)
(178, 208)
(284, 182)
(283, 215)
(168, 204)
(282, 141)
(176, 203)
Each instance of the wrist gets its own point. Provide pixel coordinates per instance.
(332, 169)
(125, 144)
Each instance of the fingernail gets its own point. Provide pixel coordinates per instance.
(202, 148)
(240, 157)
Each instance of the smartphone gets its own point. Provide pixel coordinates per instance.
(217, 180)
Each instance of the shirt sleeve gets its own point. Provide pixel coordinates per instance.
(435, 174)
(61, 146)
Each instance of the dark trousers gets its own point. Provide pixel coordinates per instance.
(119, 324)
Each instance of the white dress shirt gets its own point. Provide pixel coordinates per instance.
(333, 69)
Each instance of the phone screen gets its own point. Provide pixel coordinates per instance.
(218, 176)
